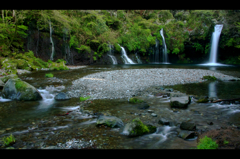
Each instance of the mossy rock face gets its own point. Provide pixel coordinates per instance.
(110, 121)
(202, 100)
(136, 128)
(210, 78)
(57, 66)
(20, 90)
(134, 100)
(9, 66)
(21, 64)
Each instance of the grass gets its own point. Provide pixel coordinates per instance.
(84, 98)
(49, 75)
(207, 143)
(210, 78)
(8, 140)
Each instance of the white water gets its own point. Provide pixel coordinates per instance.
(4, 100)
(125, 57)
(51, 41)
(214, 46)
(110, 54)
(156, 57)
(138, 59)
(165, 56)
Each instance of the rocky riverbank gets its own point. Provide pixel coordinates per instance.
(127, 83)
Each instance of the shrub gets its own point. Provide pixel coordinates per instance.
(210, 78)
(8, 140)
(84, 98)
(49, 75)
(207, 143)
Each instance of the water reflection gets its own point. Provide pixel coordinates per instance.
(212, 92)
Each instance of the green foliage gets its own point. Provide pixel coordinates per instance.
(49, 75)
(135, 100)
(207, 48)
(84, 98)
(61, 60)
(210, 78)
(84, 48)
(49, 61)
(232, 60)
(73, 41)
(8, 140)
(198, 47)
(176, 51)
(225, 142)
(207, 143)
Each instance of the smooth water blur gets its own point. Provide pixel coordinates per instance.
(18, 115)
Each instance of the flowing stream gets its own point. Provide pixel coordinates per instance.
(45, 123)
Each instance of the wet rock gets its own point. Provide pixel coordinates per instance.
(168, 89)
(143, 106)
(61, 96)
(202, 99)
(135, 128)
(20, 90)
(154, 115)
(210, 123)
(163, 121)
(110, 121)
(188, 126)
(186, 134)
(150, 111)
(152, 129)
(179, 100)
(1, 84)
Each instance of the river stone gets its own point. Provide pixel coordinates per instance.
(110, 121)
(154, 115)
(186, 134)
(135, 128)
(179, 100)
(143, 106)
(188, 126)
(163, 121)
(17, 89)
(61, 96)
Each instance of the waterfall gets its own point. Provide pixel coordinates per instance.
(110, 54)
(165, 56)
(51, 41)
(37, 42)
(125, 57)
(138, 59)
(156, 57)
(214, 43)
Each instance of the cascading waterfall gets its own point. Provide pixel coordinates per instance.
(125, 57)
(37, 42)
(110, 54)
(51, 41)
(138, 59)
(165, 56)
(214, 43)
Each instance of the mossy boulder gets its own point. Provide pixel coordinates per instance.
(110, 121)
(202, 99)
(57, 66)
(9, 66)
(6, 78)
(17, 89)
(136, 128)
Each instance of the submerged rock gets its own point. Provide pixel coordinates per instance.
(110, 121)
(186, 134)
(143, 106)
(188, 126)
(61, 96)
(163, 121)
(17, 89)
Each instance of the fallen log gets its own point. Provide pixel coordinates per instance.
(219, 100)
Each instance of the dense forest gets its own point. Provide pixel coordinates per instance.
(41, 38)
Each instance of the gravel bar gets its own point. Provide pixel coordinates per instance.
(127, 83)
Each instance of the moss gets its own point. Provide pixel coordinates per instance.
(210, 78)
(20, 85)
(207, 143)
(139, 129)
(203, 100)
(135, 100)
(49, 75)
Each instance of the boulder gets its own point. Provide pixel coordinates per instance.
(110, 121)
(61, 96)
(143, 106)
(136, 128)
(179, 100)
(17, 89)
(188, 126)
(1, 84)
(186, 134)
